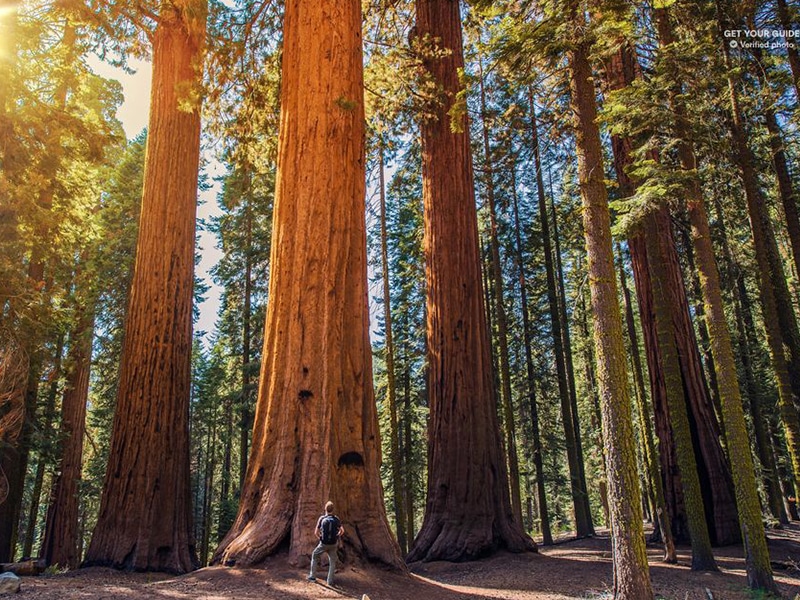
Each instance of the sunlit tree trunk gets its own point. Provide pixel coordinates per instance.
(716, 486)
(468, 511)
(145, 514)
(747, 346)
(769, 272)
(631, 573)
(759, 571)
(315, 434)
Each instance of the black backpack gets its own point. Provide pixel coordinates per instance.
(330, 529)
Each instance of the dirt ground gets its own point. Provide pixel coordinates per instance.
(568, 569)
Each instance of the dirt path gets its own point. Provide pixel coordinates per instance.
(570, 569)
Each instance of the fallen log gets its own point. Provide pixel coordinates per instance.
(25, 568)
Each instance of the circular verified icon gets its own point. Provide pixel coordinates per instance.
(734, 44)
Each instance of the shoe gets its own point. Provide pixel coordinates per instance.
(312, 578)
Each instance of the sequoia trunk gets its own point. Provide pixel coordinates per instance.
(60, 545)
(145, 513)
(468, 512)
(315, 434)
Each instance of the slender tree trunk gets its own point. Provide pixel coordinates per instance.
(785, 185)
(643, 413)
(145, 511)
(536, 450)
(713, 467)
(704, 342)
(757, 561)
(408, 458)
(391, 380)
(208, 492)
(225, 518)
(245, 423)
(500, 311)
(596, 415)
(315, 434)
(748, 348)
(41, 466)
(631, 573)
(583, 517)
(566, 344)
(468, 512)
(60, 545)
(783, 299)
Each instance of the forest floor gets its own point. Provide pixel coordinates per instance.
(567, 569)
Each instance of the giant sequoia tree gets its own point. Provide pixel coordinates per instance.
(145, 515)
(468, 512)
(315, 435)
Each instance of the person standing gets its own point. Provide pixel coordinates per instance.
(329, 529)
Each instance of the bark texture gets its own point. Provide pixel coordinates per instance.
(315, 435)
(646, 431)
(145, 513)
(771, 281)
(60, 546)
(468, 513)
(631, 574)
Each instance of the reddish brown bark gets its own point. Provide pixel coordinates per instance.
(713, 468)
(145, 514)
(468, 513)
(646, 432)
(315, 435)
(60, 546)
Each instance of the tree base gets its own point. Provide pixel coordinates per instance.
(456, 544)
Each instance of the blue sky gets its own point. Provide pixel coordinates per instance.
(134, 114)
